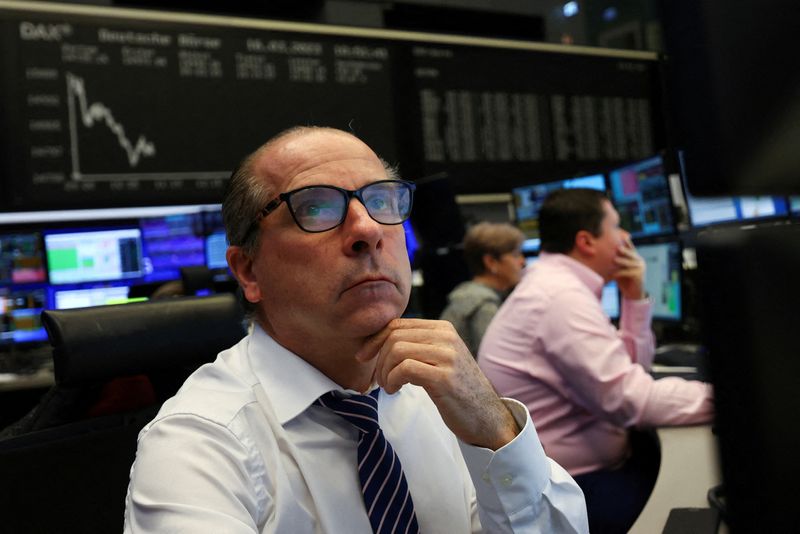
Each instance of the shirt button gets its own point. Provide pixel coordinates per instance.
(507, 480)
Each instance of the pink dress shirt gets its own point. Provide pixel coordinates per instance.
(584, 382)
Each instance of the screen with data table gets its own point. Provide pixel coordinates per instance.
(91, 256)
(663, 278)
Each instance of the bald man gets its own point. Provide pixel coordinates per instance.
(334, 414)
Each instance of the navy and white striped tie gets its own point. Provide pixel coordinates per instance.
(383, 485)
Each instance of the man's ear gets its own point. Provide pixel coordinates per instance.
(584, 243)
(241, 266)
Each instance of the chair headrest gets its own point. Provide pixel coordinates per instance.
(99, 343)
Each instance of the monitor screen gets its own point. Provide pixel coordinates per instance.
(171, 242)
(94, 256)
(663, 278)
(705, 211)
(411, 241)
(20, 311)
(94, 296)
(22, 258)
(794, 205)
(641, 195)
(528, 200)
(716, 210)
(609, 300)
(216, 246)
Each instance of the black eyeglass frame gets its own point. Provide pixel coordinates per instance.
(349, 194)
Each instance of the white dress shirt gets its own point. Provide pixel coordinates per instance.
(241, 449)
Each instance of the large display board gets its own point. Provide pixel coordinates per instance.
(107, 107)
(495, 119)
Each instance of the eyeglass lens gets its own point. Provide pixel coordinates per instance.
(321, 208)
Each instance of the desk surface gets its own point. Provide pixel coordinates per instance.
(689, 467)
(40, 379)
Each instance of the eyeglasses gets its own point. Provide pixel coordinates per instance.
(319, 208)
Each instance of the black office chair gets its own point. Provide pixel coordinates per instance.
(64, 467)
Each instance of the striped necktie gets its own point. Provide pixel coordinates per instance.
(383, 485)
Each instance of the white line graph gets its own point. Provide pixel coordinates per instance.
(82, 112)
(89, 114)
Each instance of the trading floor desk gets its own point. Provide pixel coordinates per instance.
(689, 467)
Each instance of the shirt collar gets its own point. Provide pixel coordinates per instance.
(291, 383)
(587, 276)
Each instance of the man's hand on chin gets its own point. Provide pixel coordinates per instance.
(430, 354)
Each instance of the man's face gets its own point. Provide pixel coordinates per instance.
(348, 282)
(608, 243)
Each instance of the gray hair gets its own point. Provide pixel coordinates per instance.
(490, 238)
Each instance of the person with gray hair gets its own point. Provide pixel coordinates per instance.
(334, 414)
(493, 255)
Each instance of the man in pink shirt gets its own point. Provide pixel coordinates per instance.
(586, 383)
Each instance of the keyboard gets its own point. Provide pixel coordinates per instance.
(679, 355)
(685, 360)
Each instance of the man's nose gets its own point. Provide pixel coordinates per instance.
(362, 232)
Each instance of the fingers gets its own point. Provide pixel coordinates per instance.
(410, 371)
(373, 345)
(399, 358)
(434, 343)
(628, 258)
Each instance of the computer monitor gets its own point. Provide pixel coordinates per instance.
(22, 258)
(171, 242)
(216, 247)
(20, 311)
(528, 201)
(794, 205)
(94, 255)
(707, 211)
(640, 193)
(717, 210)
(663, 278)
(93, 296)
(609, 300)
(411, 241)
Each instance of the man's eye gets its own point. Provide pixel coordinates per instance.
(378, 204)
(308, 210)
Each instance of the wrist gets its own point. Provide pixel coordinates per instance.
(636, 295)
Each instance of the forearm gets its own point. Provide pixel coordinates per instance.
(636, 332)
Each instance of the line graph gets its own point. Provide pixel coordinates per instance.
(89, 114)
(82, 111)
